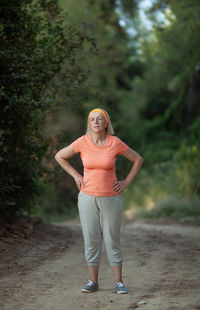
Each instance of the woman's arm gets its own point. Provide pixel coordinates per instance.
(137, 161)
(61, 157)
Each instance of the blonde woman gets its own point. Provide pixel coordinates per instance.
(99, 200)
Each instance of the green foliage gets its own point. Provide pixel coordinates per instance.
(107, 70)
(168, 112)
(187, 170)
(150, 86)
(63, 62)
(35, 43)
(168, 92)
(176, 208)
(52, 205)
(169, 188)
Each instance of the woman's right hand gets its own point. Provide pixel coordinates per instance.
(79, 181)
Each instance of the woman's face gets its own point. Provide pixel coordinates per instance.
(97, 122)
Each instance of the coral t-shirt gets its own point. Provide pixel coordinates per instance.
(99, 163)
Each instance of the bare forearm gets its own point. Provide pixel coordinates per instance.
(134, 171)
(67, 166)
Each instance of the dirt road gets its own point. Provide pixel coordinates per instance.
(161, 270)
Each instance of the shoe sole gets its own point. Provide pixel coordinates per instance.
(86, 291)
(121, 292)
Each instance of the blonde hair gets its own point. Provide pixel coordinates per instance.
(109, 129)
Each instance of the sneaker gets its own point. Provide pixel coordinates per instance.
(90, 287)
(121, 289)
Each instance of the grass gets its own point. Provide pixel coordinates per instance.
(176, 208)
(68, 213)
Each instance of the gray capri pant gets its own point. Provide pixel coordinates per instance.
(100, 218)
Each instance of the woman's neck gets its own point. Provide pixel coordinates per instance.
(98, 137)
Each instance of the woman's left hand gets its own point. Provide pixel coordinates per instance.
(118, 186)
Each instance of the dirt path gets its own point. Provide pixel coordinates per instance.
(161, 270)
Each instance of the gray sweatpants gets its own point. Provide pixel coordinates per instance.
(100, 218)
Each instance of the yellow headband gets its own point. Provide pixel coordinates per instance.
(102, 112)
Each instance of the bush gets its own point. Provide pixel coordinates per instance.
(175, 208)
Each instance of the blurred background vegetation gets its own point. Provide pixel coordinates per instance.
(139, 60)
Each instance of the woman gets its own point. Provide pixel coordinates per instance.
(99, 200)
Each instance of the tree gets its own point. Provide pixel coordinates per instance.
(35, 43)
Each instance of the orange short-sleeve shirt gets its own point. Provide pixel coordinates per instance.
(99, 163)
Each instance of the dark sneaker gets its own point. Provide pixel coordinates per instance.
(121, 289)
(90, 287)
